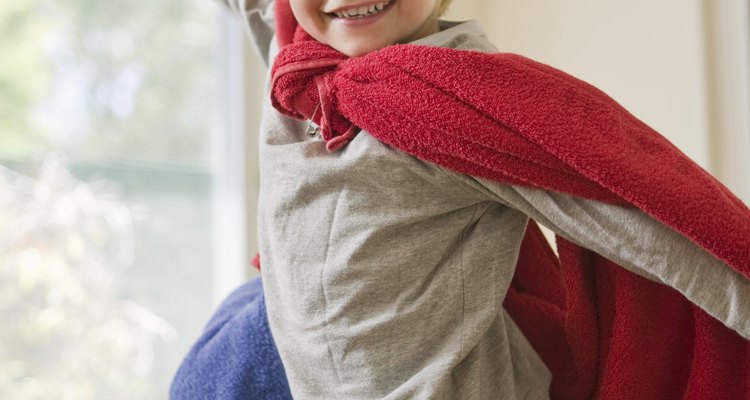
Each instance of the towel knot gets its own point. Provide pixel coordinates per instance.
(303, 82)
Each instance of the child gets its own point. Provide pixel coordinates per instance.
(385, 275)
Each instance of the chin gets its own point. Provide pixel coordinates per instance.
(353, 50)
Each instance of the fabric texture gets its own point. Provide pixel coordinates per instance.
(595, 324)
(235, 357)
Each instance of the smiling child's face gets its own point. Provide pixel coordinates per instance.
(385, 22)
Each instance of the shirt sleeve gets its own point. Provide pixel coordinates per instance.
(257, 18)
(637, 242)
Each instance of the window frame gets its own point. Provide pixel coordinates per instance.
(235, 186)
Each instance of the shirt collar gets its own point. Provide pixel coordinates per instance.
(448, 30)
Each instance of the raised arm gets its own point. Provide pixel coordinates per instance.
(257, 20)
(638, 242)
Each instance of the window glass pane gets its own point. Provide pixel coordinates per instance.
(108, 112)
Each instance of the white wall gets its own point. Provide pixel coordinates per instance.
(647, 55)
(728, 56)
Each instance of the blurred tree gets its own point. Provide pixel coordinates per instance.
(127, 89)
(67, 332)
(121, 77)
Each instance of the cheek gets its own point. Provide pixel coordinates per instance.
(421, 9)
(419, 18)
(308, 15)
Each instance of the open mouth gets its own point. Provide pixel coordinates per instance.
(355, 13)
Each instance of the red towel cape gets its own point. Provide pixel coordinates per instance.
(603, 331)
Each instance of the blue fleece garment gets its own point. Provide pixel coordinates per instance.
(236, 357)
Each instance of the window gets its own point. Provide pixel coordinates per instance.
(114, 185)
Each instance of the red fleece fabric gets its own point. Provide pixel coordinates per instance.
(604, 332)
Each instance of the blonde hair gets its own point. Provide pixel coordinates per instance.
(443, 7)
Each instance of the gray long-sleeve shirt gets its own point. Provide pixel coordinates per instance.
(384, 275)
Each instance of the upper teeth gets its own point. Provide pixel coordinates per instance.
(361, 12)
